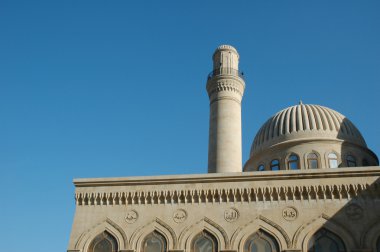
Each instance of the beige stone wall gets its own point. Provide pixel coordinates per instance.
(289, 205)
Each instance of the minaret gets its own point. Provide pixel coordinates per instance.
(225, 88)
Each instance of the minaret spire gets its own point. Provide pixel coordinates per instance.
(225, 87)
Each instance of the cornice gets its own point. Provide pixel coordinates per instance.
(373, 171)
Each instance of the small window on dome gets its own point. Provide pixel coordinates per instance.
(293, 162)
(312, 161)
(275, 165)
(351, 161)
(333, 160)
(261, 168)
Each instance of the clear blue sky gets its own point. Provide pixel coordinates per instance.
(117, 88)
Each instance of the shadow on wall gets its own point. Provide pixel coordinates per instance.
(355, 227)
(354, 151)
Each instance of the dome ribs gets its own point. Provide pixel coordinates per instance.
(299, 119)
(281, 129)
(329, 118)
(293, 118)
(258, 136)
(312, 123)
(275, 128)
(323, 117)
(337, 121)
(349, 126)
(342, 127)
(264, 133)
(269, 129)
(305, 116)
(316, 117)
(287, 120)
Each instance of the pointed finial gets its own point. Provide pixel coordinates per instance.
(300, 102)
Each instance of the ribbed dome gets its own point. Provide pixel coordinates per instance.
(302, 122)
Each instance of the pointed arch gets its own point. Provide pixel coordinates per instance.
(242, 234)
(370, 238)
(103, 242)
(204, 240)
(204, 225)
(305, 232)
(158, 226)
(324, 240)
(261, 241)
(154, 241)
(108, 226)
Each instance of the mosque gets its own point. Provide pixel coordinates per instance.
(311, 184)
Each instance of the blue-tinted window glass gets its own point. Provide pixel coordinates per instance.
(312, 161)
(275, 165)
(293, 163)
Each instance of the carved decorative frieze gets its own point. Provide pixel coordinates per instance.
(353, 211)
(231, 214)
(265, 194)
(289, 213)
(131, 216)
(179, 215)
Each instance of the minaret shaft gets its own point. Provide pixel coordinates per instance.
(225, 87)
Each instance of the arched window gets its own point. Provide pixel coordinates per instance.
(261, 168)
(204, 242)
(261, 242)
(351, 161)
(333, 160)
(325, 240)
(275, 165)
(312, 161)
(104, 242)
(154, 242)
(293, 162)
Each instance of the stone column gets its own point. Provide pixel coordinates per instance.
(225, 87)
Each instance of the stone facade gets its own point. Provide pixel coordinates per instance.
(308, 205)
(288, 205)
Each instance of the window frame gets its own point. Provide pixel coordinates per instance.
(103, 236)
(289, 162)
(325, 233)
(275, 165)
(208, 236)
(310, 159)
(261, 165)
(329, 159)
(157, 235)
(352, 161)
(261, 235)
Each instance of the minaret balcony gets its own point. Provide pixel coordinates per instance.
(225, 71)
